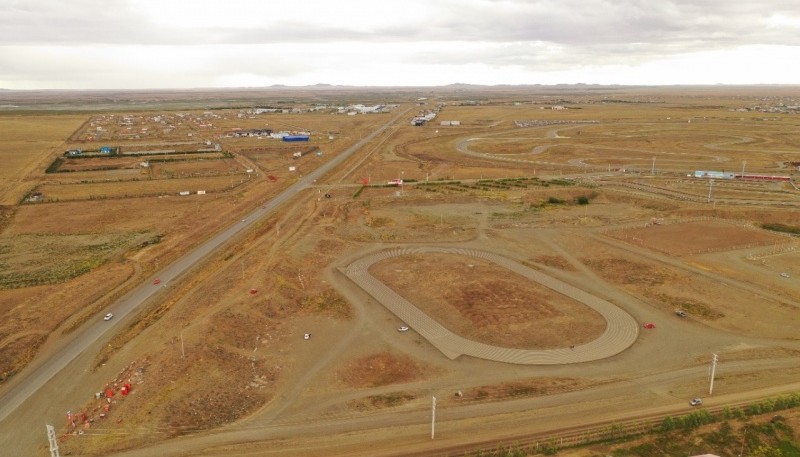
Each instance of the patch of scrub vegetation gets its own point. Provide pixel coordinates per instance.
(381, 401)
(491, 185)
(32, 260)
(783, 228)
(327, 301)
(693, 307)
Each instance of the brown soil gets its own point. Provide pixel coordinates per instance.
(697, 237)
(381, 369)
(482, 301)
(524, 388)
(246, 364)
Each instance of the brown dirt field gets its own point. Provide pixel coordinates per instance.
(381, 369)
(28, 143)
(697, 237)
(482, 301)
(248, 368)
(390, 400)
(669, 288)
(107, 163)
(524, 388)
(434, 222)
(32, 314)
(132, 189)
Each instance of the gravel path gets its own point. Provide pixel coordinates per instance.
(621, 330)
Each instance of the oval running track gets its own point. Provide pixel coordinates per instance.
(621, 328)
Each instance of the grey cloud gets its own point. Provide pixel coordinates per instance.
(568, 22)
(599, 31)
(595, 22)
(76, 22)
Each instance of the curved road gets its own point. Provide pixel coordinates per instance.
(31, 380)
(621, 329)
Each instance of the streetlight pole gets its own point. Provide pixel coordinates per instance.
(710, 185)
(433, 417)
(713, 371)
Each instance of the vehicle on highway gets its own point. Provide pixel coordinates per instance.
(108, 317)
(696, 402)
(402, 328)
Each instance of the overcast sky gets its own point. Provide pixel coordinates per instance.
(135, 44)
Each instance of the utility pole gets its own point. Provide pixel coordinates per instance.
(653, 170)
(744, 162)
(51, 437)
(433, 417)
(183, 353)
(710, 185)
(713, 371)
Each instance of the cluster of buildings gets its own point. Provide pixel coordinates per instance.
(137, 126)
(779, 106)
(268, 133)
(241, 133)
(743, 176)
(79, 152)
(422, 117)
(358, 108)
(352, 110)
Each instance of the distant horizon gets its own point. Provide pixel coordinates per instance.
(170, 44)
(377, 86)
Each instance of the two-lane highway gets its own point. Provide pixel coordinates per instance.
(30, 381)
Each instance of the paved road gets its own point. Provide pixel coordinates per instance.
(30, 381)
(621, 329)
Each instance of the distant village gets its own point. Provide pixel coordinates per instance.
(205, 124)
(775, 106)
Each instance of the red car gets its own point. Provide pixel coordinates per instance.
(649, 325)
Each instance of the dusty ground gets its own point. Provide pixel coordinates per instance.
(696, 237)
(482, 301)
(224, 349)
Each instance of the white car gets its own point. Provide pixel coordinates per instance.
(402, 328)
(785, 275)
(108, 317)
(306, 336)
(696, 402)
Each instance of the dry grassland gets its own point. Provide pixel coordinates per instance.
(486, 303)
(696, 237)
(138, 189)
(226, 343)
(26, 146)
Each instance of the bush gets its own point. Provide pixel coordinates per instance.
(775, 227)
(583, 200)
